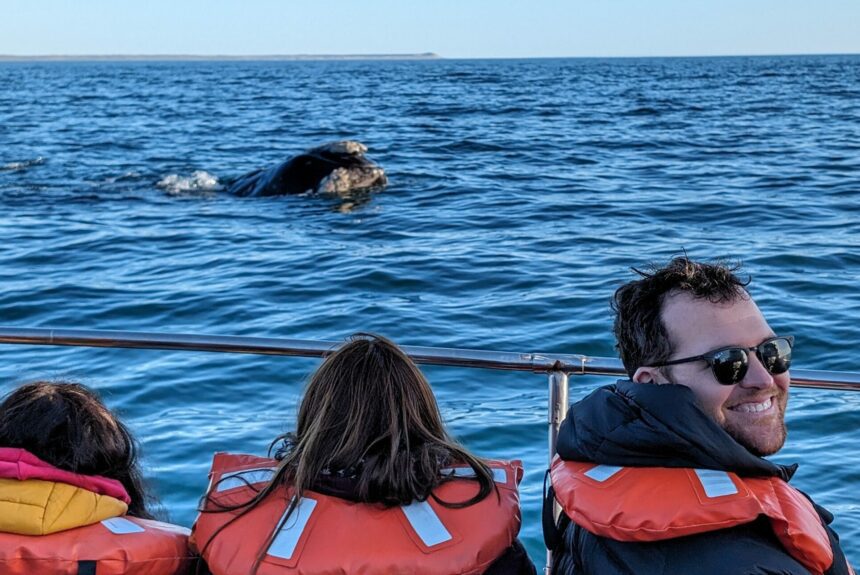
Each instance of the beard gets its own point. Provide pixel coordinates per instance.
(761, 438)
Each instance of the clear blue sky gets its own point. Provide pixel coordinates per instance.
(451, 28)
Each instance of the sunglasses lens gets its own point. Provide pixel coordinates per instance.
(775, 355)
(730, 365)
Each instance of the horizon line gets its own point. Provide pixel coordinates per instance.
(391, 56)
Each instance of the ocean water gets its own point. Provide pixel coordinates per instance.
(521, 192)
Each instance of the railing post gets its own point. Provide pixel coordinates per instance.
(557, 410)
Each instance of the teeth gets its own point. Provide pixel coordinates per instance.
(754, 407)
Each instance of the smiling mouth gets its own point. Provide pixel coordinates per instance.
(761, 407)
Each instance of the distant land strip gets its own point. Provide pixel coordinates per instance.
(215, 58)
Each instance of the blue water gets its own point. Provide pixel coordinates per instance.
(521, 192)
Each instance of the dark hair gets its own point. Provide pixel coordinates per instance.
(369, 410)
(641, 338)
(67, 425)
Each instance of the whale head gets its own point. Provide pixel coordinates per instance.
(343, 180)
(354, 170)
(333, 168)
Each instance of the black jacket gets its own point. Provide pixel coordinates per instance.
(644, 425)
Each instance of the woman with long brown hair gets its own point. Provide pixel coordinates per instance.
(369, 482)
(71, 489)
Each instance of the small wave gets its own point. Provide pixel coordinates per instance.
(199, 181)
(579, 160)
(642, 111)
(468, 145)
(129, 176)
(15, 166)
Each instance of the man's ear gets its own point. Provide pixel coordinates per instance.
(649, 375)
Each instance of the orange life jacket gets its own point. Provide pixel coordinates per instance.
(656, 503)
(116, 546)
(326, 534)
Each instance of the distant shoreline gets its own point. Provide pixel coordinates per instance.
(215, 58)
(362, 57)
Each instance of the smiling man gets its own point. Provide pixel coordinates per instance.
(664, 473)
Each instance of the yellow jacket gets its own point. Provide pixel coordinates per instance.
(38, 507)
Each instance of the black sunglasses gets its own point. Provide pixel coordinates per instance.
(730, 364)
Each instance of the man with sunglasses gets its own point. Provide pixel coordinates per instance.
(664, 473)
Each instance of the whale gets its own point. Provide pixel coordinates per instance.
(333, 168)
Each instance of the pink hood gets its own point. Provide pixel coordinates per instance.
(19, 464)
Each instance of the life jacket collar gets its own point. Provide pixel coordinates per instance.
(657, 503)
(329, 534)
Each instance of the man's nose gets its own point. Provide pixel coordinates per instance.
(757, 375)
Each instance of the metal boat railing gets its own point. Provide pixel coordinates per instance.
(557, 366)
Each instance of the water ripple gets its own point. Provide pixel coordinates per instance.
(521, 192)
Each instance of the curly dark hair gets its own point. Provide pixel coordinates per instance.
(641, 338)
(67, 425)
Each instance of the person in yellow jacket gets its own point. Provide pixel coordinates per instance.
(72, 500)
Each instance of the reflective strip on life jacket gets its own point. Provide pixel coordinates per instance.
(326, 534)
(423, 520)
(292, 528)
(500, 474)
(246, 477)
(602, 472)
(122, 526)
(426, 523)
(657, 503)
(117, 546)
(716, 483)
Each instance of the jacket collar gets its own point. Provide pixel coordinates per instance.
(646, 425)
(16, 463)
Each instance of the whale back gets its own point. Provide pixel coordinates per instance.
(306, 172)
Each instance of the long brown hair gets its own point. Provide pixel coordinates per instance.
(369, 410)
(67, 425)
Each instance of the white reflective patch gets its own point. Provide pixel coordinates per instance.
(500, 475)
(284, 543)
(121, 526)
(426, 523)
(458, 471)
(243, 478)
(716, 483)
(602, 472)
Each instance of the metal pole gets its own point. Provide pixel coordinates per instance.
(511, 361)
(820, 379)
(558, 394)
(558, 402)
